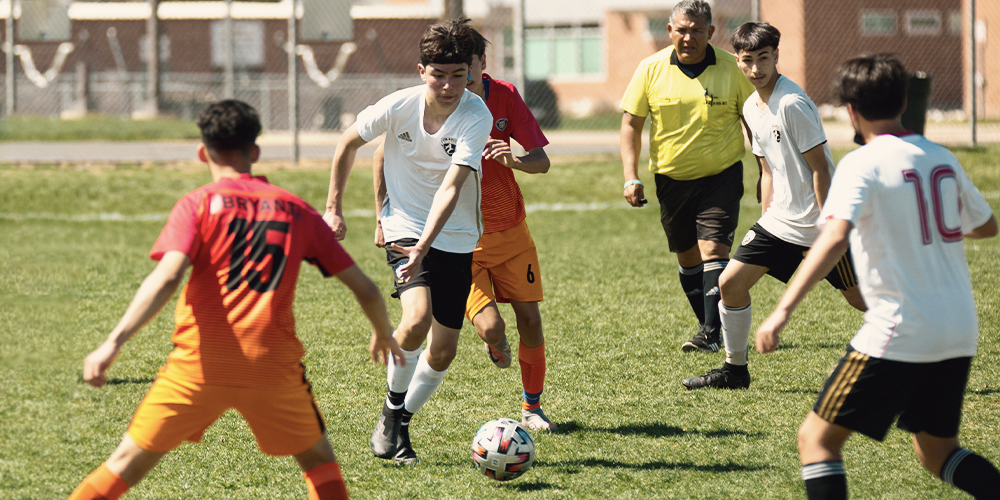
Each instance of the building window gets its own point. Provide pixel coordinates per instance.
(878, 22)
(923, 22)
(563, 52)
(955, 22)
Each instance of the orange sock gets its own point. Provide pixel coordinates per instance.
(102, 484)
(326, 483)
(532, 361)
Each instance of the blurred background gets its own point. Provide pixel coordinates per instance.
(572, 59)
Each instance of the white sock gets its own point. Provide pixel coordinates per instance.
(425, 381)
(736, 332)
(398, 377)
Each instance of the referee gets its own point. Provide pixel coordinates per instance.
(694, 94)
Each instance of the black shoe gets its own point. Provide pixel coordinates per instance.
(386, 433)
(719, 377)
(703, 341)
(404, 450)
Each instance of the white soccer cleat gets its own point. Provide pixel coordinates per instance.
(535, 419)
(500, 356)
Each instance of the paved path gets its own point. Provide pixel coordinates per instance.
(321, 146)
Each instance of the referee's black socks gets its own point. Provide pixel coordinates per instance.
(710, 285)
(691, 280)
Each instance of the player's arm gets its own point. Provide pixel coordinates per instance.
(535, 161)
(760, 168)
(824, 254)
(369, 297)
(378, 179)
(343, 161)
(820, 166)
(765, 186)
(154, 293)
(631, 146)
(443, 205)
(988, 230)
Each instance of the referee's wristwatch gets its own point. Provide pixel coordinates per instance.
(632, 182)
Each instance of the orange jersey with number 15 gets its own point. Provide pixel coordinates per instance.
(246, 240)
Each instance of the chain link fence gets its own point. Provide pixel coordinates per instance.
(578, 55)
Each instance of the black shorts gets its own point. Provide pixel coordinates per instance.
(448, 275)
(700, 209)
(781, 258)
(866, 394)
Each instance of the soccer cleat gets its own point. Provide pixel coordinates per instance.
(535, 419)
(386, 433)
(404, 450)
(703, 341)
(500, 357)
(720, 378)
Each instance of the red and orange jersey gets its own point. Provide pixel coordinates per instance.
(502, 204)
(246, 240)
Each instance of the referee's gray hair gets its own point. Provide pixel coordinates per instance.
(693, 9)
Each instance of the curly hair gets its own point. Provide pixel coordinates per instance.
(229, 125)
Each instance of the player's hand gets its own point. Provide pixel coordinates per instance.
(336, 222)
(635, 196)
(766, 340)
(408, 270)
(383, 347)
(499, 150)
(96, 364)
(379, 238)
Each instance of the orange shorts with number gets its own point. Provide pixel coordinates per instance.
(285, 421)
(504, 268)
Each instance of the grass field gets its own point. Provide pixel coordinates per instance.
(95, 128)
(614, 317)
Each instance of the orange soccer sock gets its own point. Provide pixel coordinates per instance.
(532, 361)
(102, 484)
(326, 483)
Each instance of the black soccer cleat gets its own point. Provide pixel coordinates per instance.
(704, 341)
(404, 450)
(719, 378)
(386, 434)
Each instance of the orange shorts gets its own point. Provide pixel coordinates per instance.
(285, 421)
(504, 268)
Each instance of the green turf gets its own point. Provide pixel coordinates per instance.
(95, 128)
(614, 317)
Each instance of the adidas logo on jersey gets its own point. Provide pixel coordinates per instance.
(405, 136)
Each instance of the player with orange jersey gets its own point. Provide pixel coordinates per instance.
(235, 337)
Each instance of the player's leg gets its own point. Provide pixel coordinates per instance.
(126, 466)
(322, 472)
(531, 357)
(820, 444)
(481, 309)
(735, 314)
(934, 416)
(843, 278)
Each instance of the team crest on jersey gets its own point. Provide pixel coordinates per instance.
(449, 143)
(776, 132)
(748, 238)
(501, 123)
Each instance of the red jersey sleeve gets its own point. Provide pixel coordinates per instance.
(524, 127)
(181, 231)
(322, 248)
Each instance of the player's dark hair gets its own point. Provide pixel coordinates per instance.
(693, 9)
(752, 37)
(462, 28)
(450, 42)
(873, 84)
(229, 125)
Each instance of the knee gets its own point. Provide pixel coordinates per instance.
(733, 294)
(415, 322)
(440, 357)
(492, 331)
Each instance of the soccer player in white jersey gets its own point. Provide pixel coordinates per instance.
(435, 136)
(905, 204)
(796, 165)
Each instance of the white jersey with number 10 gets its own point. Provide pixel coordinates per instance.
(910, 203)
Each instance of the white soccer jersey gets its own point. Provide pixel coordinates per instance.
(786, 128)
(416, 163)
(910, 203)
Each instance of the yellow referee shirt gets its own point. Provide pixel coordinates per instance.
(695, 130)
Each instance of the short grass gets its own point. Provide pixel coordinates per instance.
(614, 321)
(95, 128)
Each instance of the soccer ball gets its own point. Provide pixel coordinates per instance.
(503, 449)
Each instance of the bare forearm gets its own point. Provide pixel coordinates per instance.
(443, 205)
(378, 180)
(821, 185)
(154, 293)
(631, 145)
(534, 162)
(987, 230)
(766, 191)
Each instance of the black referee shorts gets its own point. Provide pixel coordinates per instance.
(700, 209)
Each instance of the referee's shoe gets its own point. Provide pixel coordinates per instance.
(704, 341)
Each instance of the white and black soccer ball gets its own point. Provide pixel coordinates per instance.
(503, 449)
